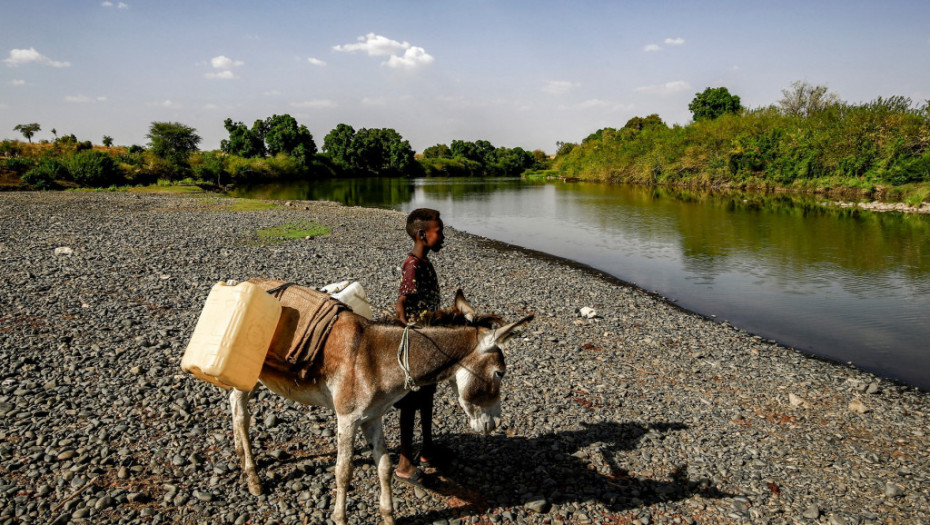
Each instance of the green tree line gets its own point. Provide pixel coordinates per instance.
(274, 148)
(810, 140)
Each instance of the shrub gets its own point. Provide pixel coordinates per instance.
(44, 175)
(18, 165)
(94, 168)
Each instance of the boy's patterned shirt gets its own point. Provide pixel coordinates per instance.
(421, 286)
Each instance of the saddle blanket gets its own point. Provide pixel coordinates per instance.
(307, 316)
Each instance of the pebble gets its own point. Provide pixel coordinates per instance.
(641, 413)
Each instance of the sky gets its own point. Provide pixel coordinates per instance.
(512, 72)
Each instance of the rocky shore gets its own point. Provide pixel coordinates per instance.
(635, 412)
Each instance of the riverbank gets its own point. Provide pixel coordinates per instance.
(644, 413)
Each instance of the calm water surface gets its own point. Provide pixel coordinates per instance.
(849, 286)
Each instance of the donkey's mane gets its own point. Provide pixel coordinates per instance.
(452, 316)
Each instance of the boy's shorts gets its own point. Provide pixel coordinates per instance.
(414, 400)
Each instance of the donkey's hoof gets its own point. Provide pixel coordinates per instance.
(255, 488)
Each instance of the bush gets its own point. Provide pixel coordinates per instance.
(44, 175)
(18, 165)
(94, 168)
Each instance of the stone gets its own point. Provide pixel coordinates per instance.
(812, 512)
(893, 490)
(858, 407)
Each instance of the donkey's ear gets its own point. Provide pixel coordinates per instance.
(502, 334)
(463, 305)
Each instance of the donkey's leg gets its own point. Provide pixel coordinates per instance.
(345, 449)
(374, 433)
(239, 403)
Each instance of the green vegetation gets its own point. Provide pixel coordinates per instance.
(296, 230)
(479, 158)
(811, 141)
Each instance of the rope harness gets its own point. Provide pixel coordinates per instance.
(403, 359)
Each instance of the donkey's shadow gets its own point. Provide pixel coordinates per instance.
(562, 467)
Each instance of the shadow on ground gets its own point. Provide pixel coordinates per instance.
(562, 467)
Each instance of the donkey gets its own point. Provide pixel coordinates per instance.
(359, 374)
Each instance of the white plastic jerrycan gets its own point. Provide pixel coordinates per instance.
(353, 295)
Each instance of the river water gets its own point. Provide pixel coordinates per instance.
(846, 285)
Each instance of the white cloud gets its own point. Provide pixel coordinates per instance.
(19, 57)
(652, 47)
(84, 99)
(675, 86)
(674, 41)
(413, 58)
(379, 101)
(316, 61)
(210, 107)
(221, 75)
(119, 5)
(560, 87)
(164, 104)
(17, 82)
(224, 62)
(272, 93)
(314, 104)
(402, 54)
(374, 45)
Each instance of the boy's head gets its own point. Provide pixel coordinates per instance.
(424, 225)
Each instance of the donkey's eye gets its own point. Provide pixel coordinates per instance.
(499, 374)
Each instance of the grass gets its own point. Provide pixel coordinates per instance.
(248, 205)
(161, 189)
(294, 230)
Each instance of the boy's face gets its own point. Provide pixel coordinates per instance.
(433, 237)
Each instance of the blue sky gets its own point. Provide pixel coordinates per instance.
(516, 73)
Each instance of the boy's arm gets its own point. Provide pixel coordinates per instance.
(399, 307)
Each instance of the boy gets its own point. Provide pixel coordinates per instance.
(419, 294)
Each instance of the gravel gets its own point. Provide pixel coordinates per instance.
(635, 412)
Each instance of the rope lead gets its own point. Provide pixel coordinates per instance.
(403, 359)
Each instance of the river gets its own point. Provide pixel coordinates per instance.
(846, 285)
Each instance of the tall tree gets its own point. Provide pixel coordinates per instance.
(242, 141)
(28, 130)
(439, 151)
(713, 102)
(282, 134)
(107, 141)
(173, 141)
(803, 99)
(338, 144)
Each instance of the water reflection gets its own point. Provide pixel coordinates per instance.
(844, 284)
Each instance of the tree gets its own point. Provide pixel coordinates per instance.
(281, 134)
(173, 141)
(641, 123)
(373, 150)
(28, 130)
(381, 150)
(564, 148)
(714, 102)
(338, 144)
(439, 151)
(803, 99)
(242, 141)
(107, 141)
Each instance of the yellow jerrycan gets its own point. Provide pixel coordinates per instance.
(232, 335)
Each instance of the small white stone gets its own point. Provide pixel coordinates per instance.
(588, 312)
(858, 407)
(64, 250)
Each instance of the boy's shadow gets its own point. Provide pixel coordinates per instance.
(500, 471)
